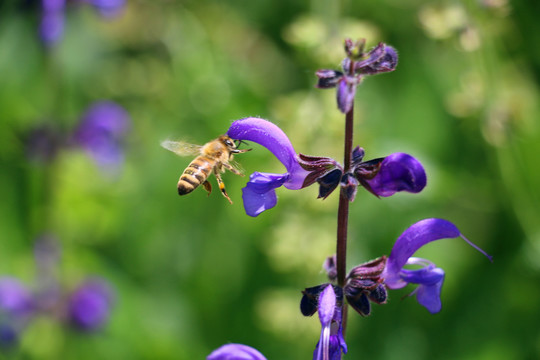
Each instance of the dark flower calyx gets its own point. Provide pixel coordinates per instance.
(365, 284)
(324, 170)
(328, 78)
(369, 270)
(360, 293)
(310, 298)
(349, 185)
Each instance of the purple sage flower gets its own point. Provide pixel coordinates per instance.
(397, 172)
(15, 298)
(101, 131)
(259, 194)
(331, 343)
(235, 352)
(382, 176)
(327, 300)
(90, 304)
(51, 28)
(429, 277)
(356, 66)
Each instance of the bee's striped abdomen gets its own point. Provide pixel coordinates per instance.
(195, 174)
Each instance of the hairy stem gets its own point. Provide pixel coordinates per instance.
(343, 213)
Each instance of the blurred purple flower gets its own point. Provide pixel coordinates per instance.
(356, 66)
(16, 308)
(9, 336)
(51, 28)
(90, 304)
(429, 277)
(259, 194)
(15, 298)
(101, 131)
(107, 8)
(235, 352)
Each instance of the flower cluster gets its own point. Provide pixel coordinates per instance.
(382, 177)
(100, 132)
(356, 66)
(51, 28)
(86, 307)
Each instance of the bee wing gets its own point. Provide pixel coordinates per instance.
(181, 148)
(237, 167)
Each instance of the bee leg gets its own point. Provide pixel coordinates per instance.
(207, 186)
(239, 151)
(233, 169)
(222, 186)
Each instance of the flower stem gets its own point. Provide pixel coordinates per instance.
(343, 213)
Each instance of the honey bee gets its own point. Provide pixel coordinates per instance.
(215, 156)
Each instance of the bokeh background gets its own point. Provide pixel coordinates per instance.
(193, 273)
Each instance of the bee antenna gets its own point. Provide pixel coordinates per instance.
(241, 142)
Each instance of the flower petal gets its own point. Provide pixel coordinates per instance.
(270, 136)
(327, 305)
(259, 194)
(345, 95)
(429, 296)
(412, 239)
(235, 352)
(427, 276)
(398, 172)
(328, 78)
(90, 304)
(382, 58)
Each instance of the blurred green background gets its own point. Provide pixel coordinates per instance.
(193, 273)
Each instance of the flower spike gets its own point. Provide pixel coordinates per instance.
(382, 58)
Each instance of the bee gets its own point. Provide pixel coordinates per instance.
(215, 156)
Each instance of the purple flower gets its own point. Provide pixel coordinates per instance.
(429, 277)
(259, 194)
(235, 352)
(397, 172)
(356, 66)
(107, 8)
(90, 304)
(331, 343)
(382, 176)
(101, 131)
(51, 28)
(327, 300)
(16, 308)
(15, 298)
